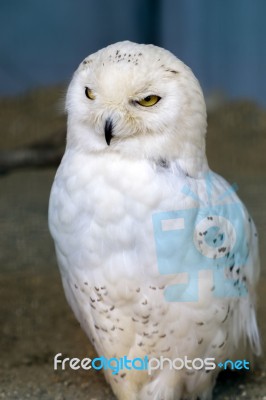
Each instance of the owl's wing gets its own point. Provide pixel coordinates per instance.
(241, 261)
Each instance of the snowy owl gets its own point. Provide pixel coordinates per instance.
(158, 256)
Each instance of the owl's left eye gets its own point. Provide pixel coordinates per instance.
(89, 93)
(149, 101)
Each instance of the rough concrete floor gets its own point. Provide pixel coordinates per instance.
(36, 322)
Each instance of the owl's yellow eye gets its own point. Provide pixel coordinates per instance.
(89, 93)
(149, 100)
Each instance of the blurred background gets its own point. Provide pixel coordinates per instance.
(222, 41)
(41, 44)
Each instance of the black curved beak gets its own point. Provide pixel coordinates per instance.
(108, 131)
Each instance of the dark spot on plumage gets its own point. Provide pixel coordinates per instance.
(163, 163)
(222, 249)
(205, 233)
(227, 255)
(138, 290)
(200, 323)
(210, 218)
(231, 267)
(103, 287)
(238, 270)
(134, 320)
(123, 375)
(85, 283)
(165, 350)
(225, 318)
(236, 282)
(97, 289)
(255, 234)
(153, 287)
(249, 219)
(104, 330)
(244, 278)
(145, 316)
(76, 286)
(140, 344)
(92, 306)
(162, 336)
(117, 51)
(200, 341)
(111, 308)
(155, 332)
(145, 322)
(113, 328)
(212, 288)
(121, 329)
(93, 300)
(96, 327)
(155, 324)
(145, 302)
(161, 287)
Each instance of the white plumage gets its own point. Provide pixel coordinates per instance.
(135, 140)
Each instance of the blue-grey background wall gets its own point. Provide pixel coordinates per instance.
(224, 42)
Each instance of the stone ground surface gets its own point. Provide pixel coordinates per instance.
(36, 322)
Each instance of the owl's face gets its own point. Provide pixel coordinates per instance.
(136, 99)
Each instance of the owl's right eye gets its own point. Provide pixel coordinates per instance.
(89, 93)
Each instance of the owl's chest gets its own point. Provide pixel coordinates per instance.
(105, 192)
(101, 211)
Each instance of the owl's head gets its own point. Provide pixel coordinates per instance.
(138, 100)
